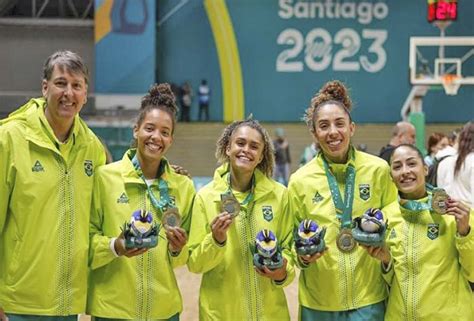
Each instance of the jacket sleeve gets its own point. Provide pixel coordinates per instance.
(286, 239)
(205, 253)
(465, 247)
(100, 253)
(6, 177)
(188, 197)
(297, 215)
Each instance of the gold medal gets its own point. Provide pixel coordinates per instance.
(230, 204)
(439, 201)
(345, 241)
(171, 218)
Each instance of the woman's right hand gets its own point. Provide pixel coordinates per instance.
(308, 259)
(219, 226)
(119, 246)
(381, 253)
(3, 316)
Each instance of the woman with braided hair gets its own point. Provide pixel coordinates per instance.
(222, 238)
(344, 282)
(134, 282)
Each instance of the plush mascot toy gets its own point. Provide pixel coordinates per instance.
(141, 232)
(267, 252)
(309, 238)
(369, 229)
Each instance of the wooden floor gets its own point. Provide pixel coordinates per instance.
(189, 286)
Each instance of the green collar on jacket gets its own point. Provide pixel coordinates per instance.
(38, 129)
(130, 175)
(263, 184)
(337, 169)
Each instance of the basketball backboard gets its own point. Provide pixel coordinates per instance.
(447, 61)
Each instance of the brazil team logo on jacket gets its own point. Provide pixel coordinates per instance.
(433, 231)
(88, 167)
(267, 213)
(364, 191)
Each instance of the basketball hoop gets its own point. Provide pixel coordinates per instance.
(451, 84)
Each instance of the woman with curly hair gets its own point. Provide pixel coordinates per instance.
(222, 237)
(344, 282)
(129, 281)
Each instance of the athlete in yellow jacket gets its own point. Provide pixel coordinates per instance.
(429, 256)
(48, 158)
(341, 283)
(139, 283)
(222, 247)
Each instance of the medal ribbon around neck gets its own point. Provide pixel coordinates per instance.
(165, 201)
(249, 197)
(343, 209)
(418, 206)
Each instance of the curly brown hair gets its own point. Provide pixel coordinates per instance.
(159, 97)
(333, 92)
(268, 162)
(466, 145)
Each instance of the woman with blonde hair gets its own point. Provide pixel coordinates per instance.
(223, 237)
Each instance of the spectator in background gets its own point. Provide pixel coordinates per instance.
(204, 94)
(282, 157)
(403, 133)
(453, 136)
(48, 158)
(436, 142)
(456, 174)
(308, 153)
(186, 102)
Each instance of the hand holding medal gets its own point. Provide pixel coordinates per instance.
(461, 213)
(219, 226)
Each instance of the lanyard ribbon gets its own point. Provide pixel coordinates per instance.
(343, 209)
(417, 206)
(165, 200)
(249, 197)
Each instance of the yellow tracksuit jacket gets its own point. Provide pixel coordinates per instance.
(340, 281)
(45, 201)
(144, 286)
(431, 268)
(230, 288)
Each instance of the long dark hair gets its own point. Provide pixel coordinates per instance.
(466, 145)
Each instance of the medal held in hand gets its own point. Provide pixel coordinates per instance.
(230, 204)
(171, 218)
(369, 229)
(309, 238)
(267, 252)
(141, 232)
(439, 201)
(345, 241)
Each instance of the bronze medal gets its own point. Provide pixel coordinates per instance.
(345, 241)
(230, 204)
(171, 218)
(439, 201)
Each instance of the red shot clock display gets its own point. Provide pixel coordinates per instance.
(442, 10)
